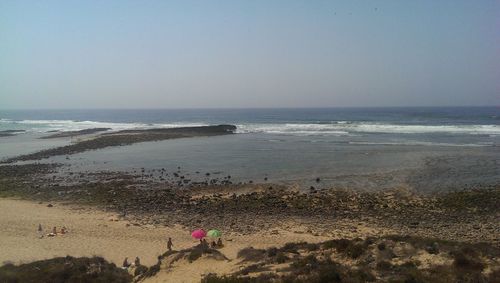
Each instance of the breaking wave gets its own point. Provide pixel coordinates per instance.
(70, 125)
(339, 128)
(347, 128)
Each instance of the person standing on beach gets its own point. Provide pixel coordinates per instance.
(204, 245)
(40, 231)
(169, 244)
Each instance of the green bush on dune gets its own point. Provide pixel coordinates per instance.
(65, 269)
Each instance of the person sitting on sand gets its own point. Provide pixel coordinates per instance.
(54, 232)
(169, 244)
(126, 264)
(64, 230)
(137, 261)
(214, 245)
(219, 243)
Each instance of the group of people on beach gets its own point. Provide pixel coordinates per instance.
(203, 243)
(54, 232)
(213, 245)
(127, 264)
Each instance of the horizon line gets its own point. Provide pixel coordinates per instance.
(249, 108)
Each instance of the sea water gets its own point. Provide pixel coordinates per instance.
(428, 149)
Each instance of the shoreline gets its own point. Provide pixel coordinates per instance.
(468, 215)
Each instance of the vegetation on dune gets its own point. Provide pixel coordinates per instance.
(65, 269)
(339, 260)
(368, 260)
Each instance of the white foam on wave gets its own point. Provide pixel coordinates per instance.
(338, 128)
(348, 128)
(422, 129)
(70, 125)
(423, 143)
(293, 129)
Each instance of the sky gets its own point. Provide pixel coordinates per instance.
(243, 54)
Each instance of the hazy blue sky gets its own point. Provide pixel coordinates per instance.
(165, 54)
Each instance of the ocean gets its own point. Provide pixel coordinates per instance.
(427, 149)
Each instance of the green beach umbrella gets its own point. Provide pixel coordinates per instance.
(214, 233)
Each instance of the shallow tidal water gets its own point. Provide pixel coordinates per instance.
(426, 149)
(299, 161)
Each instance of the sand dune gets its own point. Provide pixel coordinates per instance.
(93, 232)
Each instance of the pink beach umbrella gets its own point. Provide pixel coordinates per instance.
(199, 234)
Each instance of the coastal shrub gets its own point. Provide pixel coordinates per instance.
(472, 277)
(310, 269)
(311, 247)
(140, 269)
(327, 273)
(65, 269)
(384, 265)
(305, 265)
(214, 278)
(194, 254)
(355, 250)
(281, 258)
(433, 248)
(166, 254)
(369, 241)
(494, 276)
(386, 254)
(293, 247)
(467, 261)
(381, 246)
(151, 271)
(440, 274)
(251, 254)
(414, 276)
(271, 252)
(340, 245)
(362, 275)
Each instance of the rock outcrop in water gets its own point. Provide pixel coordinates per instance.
(8, 133)
(128, 137)
(76, 133)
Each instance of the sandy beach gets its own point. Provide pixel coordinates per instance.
(93, 232)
